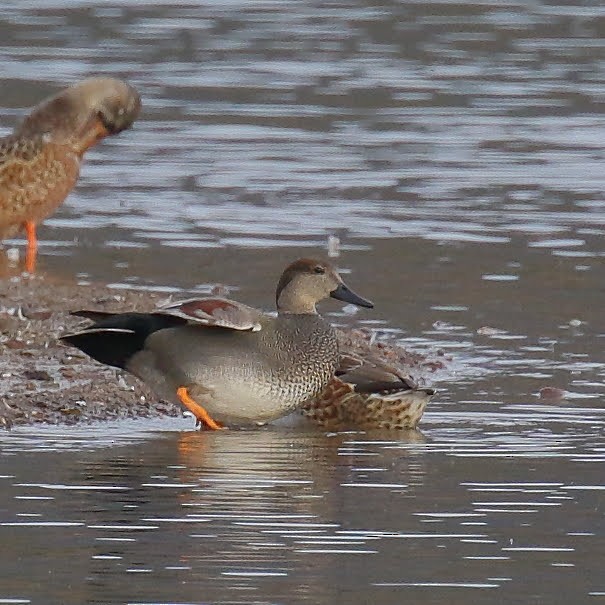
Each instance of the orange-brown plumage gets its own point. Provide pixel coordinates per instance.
(369, 391)
(342, 407)
(40, 161)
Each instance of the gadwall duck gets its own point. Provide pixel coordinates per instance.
(40, 161)
(227, 363)
(367, 393)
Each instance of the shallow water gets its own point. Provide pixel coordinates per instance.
(456, 151)
(479, 509)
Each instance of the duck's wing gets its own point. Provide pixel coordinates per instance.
(369, 373)
(216, 312)
(348, 362)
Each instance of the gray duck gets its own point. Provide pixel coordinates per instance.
(228, 363)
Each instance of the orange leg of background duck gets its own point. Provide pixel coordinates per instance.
(197, 410)
(32, 246)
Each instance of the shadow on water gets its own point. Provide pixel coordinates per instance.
(456, 152)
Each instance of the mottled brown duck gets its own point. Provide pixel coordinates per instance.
(367, 393)
(40, 161)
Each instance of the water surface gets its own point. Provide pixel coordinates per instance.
(478, 508)
(456, 151)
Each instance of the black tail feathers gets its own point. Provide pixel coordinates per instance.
(114, 338)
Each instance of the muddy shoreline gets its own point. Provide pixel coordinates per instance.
(44, 381)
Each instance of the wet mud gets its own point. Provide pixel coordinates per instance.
(43, 380)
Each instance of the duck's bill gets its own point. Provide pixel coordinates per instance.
(345, 294)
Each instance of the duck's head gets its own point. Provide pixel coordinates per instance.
(85, 113)
(307, 281)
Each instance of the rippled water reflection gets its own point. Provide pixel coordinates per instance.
(264, 126)
(472, 506)
(456, 150)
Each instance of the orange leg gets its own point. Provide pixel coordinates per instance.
(32, 246)
(197, 410)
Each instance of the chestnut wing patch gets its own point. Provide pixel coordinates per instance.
(217, 312)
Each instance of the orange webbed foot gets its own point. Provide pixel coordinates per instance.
(201, 415)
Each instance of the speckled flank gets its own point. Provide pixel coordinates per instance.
(248, 376)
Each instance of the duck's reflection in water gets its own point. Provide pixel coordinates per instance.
(282, 504)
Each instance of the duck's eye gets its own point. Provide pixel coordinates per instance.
(319, 270)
